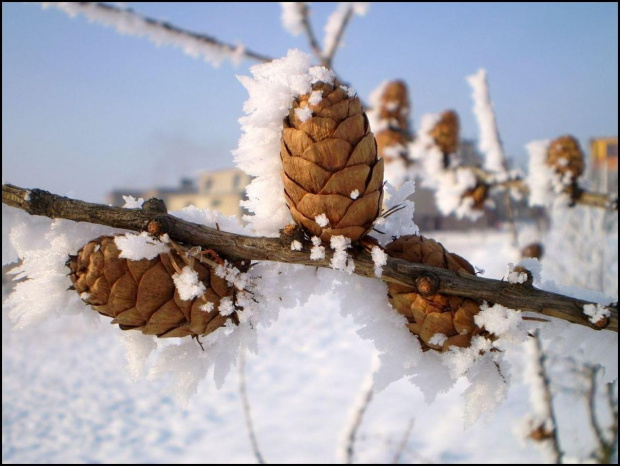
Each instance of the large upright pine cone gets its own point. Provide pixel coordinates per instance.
(330, 164)
(446, 134)
(433, 314)
(141, 294)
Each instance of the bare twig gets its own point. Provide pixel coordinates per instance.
(605, 445)
(127, 21)
(546, 385)
(246, 410)
(403, 443)
(314, 44)
(363, 400)
(515, 296)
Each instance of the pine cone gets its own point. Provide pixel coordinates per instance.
(394, 106)
(330, 165)
(535, 250)
(392, 144)
(141, 294)
(429, 315)
(446, 134)
(566, 158)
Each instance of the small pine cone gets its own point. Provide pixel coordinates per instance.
(330, 165)
(394, 107)
(446, 134)
(141, 294)
(566, 158)
(479, 194)
(535, 250)
(427, 316)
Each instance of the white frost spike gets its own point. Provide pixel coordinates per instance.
(137, 247)
(438, 339)
(292, 18)
(138, 348)
(355, 194)
(226, 306)
(130, 23)
(315, 97)
(187, 284)
(303, 113)
(489, 144)
(207, 307)
(340, 259)
(317, 252)
(515, 276)
(271, 90)
(379, 257)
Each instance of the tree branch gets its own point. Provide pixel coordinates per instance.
(127, 21)
(314, 43)
(329, 54)
(516, 296)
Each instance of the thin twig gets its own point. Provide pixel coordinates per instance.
(403, 442)
(546, 385)
(247, 411)
(515, 296)
(329, 54)
(304, 9)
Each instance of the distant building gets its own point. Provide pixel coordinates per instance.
(220, 190)
(604, 164)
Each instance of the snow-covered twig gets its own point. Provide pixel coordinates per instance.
(336, 25)
(605, 445)
(305, 20)
(513, 296)
(246, 410)
(127, 21)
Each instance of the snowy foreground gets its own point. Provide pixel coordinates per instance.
(67, 397)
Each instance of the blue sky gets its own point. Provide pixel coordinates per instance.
(86, 110)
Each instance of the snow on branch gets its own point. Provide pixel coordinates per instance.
(490, 144)
(127, 21)
(515, 296)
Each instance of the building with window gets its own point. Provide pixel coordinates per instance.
(220, 190)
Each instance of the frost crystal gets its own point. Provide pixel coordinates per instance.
(317, 252)
(355, 194)
(438, 339)
(379, 257)
(321, 220)
(340, 259)
(515, 276)
(137, 247)
(188, 284)
(226, 306)
(296, 246)
(207, 307)
(315, 97)
(304, 113)
(292, 19)
(132, 203)
(596, 313)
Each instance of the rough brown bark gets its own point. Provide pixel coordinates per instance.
(516, 296)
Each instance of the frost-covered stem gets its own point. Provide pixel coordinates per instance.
(305, 20)
(511, 219)
(403, 443)
(329, 54)
(600, 200)
(363, 400)
(605, 448)
(246, 409)
(122, 19)
(548, 398)
(514, 296)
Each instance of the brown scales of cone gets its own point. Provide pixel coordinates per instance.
(566, 158)
(326, 159)
(446, 134)
(141, 294)
(427, 316)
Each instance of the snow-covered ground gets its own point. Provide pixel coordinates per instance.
(67, 397)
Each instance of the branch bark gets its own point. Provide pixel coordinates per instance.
(516, 296)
